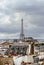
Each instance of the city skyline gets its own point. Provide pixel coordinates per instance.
(11, 13)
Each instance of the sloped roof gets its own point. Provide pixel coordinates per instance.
(6, 43)
(20, 44)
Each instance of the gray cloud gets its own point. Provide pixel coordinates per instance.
(30, 6)
(32, 11)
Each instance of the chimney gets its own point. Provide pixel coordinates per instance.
(32, 48)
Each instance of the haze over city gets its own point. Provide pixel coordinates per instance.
(11, 13)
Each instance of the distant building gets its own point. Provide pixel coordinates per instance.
(28, 39)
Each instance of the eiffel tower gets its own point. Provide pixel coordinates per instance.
(22, 31)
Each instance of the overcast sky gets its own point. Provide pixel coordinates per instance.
(11, 13)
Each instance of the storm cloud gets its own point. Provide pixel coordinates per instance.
(11, 13)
